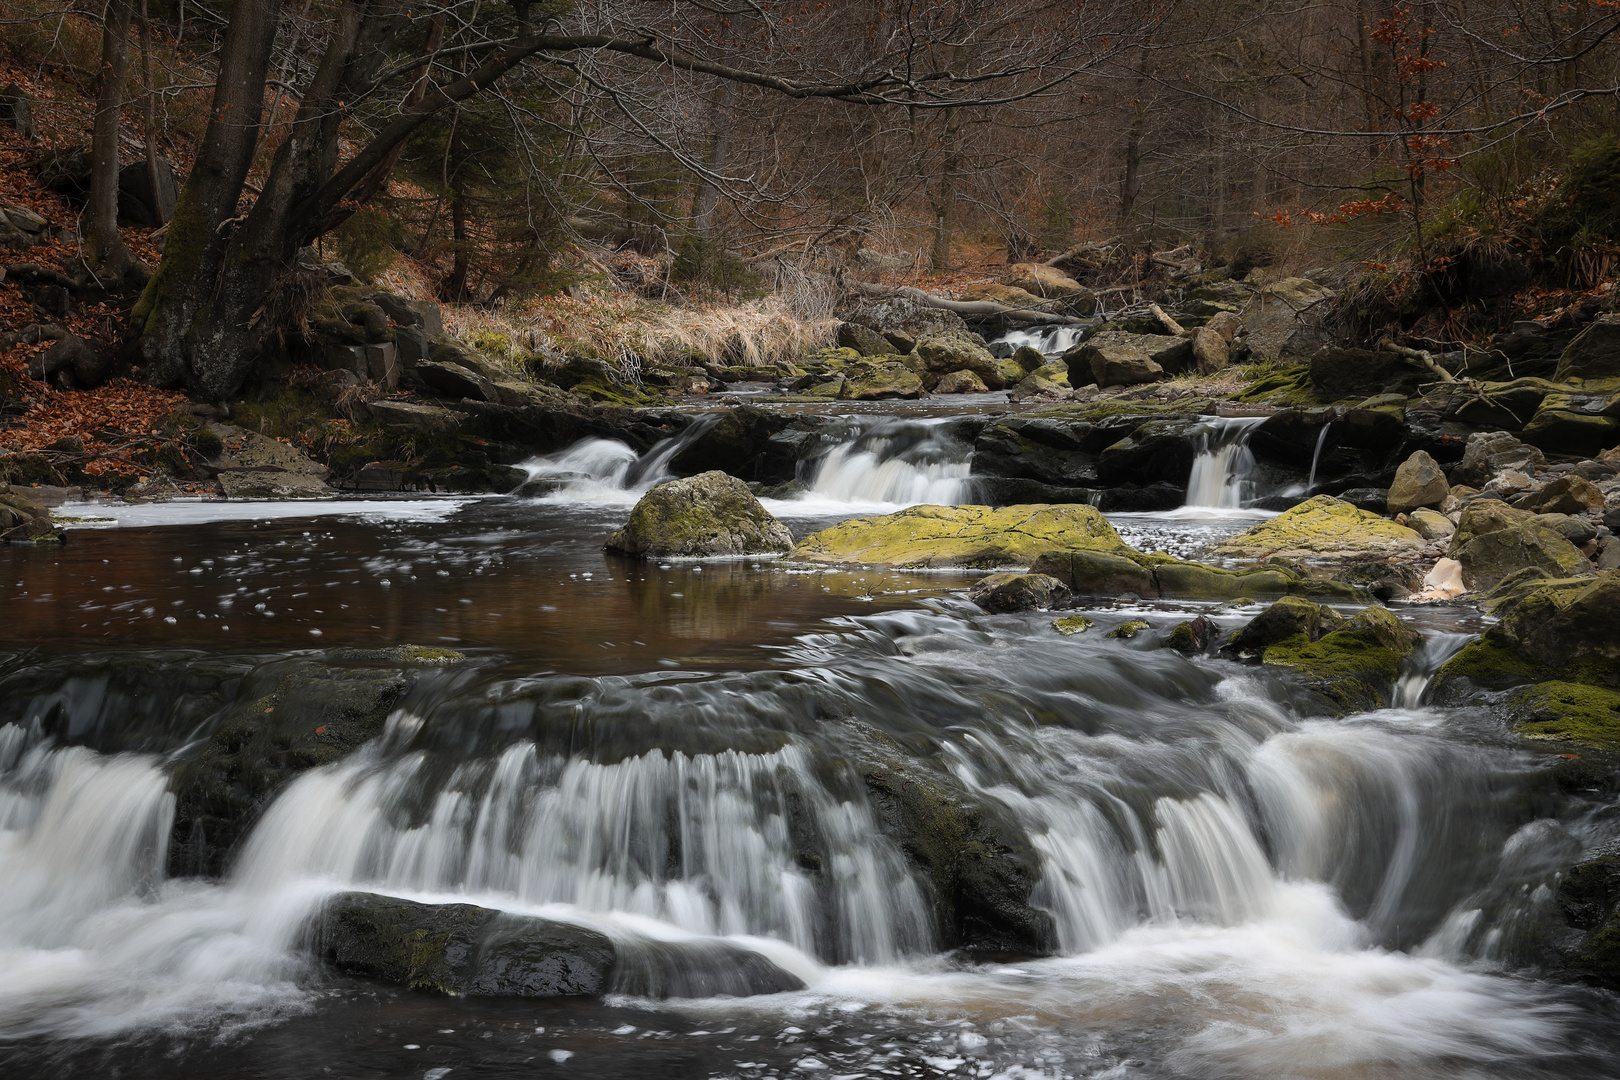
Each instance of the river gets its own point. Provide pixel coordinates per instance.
(673, 754)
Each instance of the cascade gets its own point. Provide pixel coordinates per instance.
(1316, 456)
(1223, 468)
(1421, 667)
(1047, 339)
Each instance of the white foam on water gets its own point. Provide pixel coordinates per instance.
(204, 511)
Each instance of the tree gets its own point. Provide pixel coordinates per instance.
(108, 257)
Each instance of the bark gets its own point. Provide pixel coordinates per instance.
(945, 204)
(708, 195)
(149, 120)
(455, 286)
(108, 256)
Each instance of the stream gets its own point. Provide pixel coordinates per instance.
(673, 754)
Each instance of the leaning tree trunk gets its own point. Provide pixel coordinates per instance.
(108, 256)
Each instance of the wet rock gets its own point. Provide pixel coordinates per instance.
(1490, 453)
(1589, 897)
(1128, 630)
(938, 356)
(1418, 483)
(752, 443)
(1323, 528)
(711, 514)
(1338, 373)
(904, 322)
(24, 521)
(1353, 668)
(461, 949)
(878, 380)
(961, 536)
(1112, 574)
(1594, 354)
(1159, 450)
(1431, 525)
(1070, 625)
(307, 715)
(1568, 424)
(1018, 592)
(1289, 617)
(1494, 540)
(253, 466)
(1569, 712)
(961, 382)
(977, 862)
(1192, 638)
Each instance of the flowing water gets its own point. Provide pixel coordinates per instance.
(681, 756)
(1222, 471)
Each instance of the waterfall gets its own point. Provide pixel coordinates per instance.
(893, 462)
(1316, 456)
(1223, 468)
(597, 470)
(1046, 339)
(1419, 670)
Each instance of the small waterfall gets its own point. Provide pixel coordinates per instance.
(1316, 456)
(1420, 669)
(1046, 339)
(894, 462)
(1223, 470)
(606, 470)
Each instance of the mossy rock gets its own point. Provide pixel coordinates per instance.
(1288, 618)
(940, 537)
(1018, 592)
(1353, 669)
(1572, 711)
(1125, 631)
(708, 515)
(1589, 895)
(1073, 624)
(1323, 528)
(1105, 573)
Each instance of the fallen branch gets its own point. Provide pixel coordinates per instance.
(1422, 358)
(1079, 252)
(1166, 321)
(36, 274)
(977, 308)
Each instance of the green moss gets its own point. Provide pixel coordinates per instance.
(425, 655)
(1572, 711)
(1289, 388)
(1127, 630)
(1489, 665)
(1073, 624)
(1353, 669)
(979, 537)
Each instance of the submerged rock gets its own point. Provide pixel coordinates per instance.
(1073, 624)
(939, 537)
(711, 514)
(1323, 528)
(1018, 592)
(1192, 637)
(1350, 669)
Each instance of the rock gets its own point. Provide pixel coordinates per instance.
(1173, 354)
(1444, 581)
(1594, 354)
(137, 202)
(1289, 617)
(1125, 631)
(1494, 540)
(1564, 621)
(445, 349)
(961, 382)
(1018, 592)
(17, 110)
(1028, 358)
(1005, 295)
(1352, 668)
(904, 322)
(1040, 388)
(309, 715)
(1337, 373)
(65, 171)
(867, 381)
(1431, 525)
(1226, 324)
(423, 315)
(20, 227)
(254, 466)
(863, 339)
(1192, 638)
(1278, 312)
(1418, 483)
(1114, 574)
(71, 363)
(461, 949)
(1589, 897)
(751, 443)
(1070, 625)
(1569, 494)
(1571, 712)
(412, 416)
(22, 520)
(1490, 453)
(940, 355)
(1210, 350)
(711, 514)
(1050, 283)
(1565, 424)
(1120, 365)
(961, 536)
(457, 382)
(1322, 528)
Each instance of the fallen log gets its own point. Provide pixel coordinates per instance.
(1166, 321)
(976, 308)
(1423, 358)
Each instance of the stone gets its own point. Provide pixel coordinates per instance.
(1210, 350)
(1129, 629)
(1337, 373)
(138, 203)
(1444, 581)
(1028, 358)
(1489, 453)
(1594, 354)
(1226, 324)
(445, 349)
(1040, 388)
(939, 537)
(1173, 354)
(20, 227)
(1567, 425)
(1120, 365)
(1044, 281)
(1569, 494)
(411, 345)
(1018, 592)
(1579, 531)
(1279, 311)
(904, 322)
(346, 358)
(254, 466)
(423, 315)
(71, 363)
(940, 355)
(461, 949)
(1192, 638)
(414, 416)
(1564, 621)
(454, 381)
(1005, 295)
(1418, 483)
(21, 519)
(1488, 557)
(863, 339)
(1070, 625)
(708, 515)
(1353, 667)
(1289, 617)
(867, 381)
(961, 382)
(17, 110)
(1323, 528)
(1431, 525)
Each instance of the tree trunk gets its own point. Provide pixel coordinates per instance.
(455, 286)
(154, 176)
(708, 195)
(107, 254)
(945, 205)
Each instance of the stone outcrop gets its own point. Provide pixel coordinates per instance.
(1488, 454)
(1018, 592)
(1418, 483)
(253, 466)
(1119, 365)
(1351, 667)
(905, 322)
(709, 515)
(939, 537)
(1594, 354)
(1323, 528)
(1493, 540)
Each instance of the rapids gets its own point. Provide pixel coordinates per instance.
(683, 757)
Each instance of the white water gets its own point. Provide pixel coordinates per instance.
(1420, 670)
(1050, 340)
(1222, 473)
(1316, 456)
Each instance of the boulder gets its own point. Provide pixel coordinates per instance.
(1006, 295)
(1040, 388)
(1323, 528)
(751, 443)
(1280, 312)
(1431, 524)
(939, 355)
(1579, 531)
(1418, 483)
(961, 382)
(939, 537)
(1353, 668)
(1494, 540)
(1594, 354)
(1490, 453)
(1173, 354)
(422, 315)
(1018, 592)
(1289, 617)
(863, 339)
(254, 466)
(17, 111)
(456, 382)
(1028, 358)
(1337, 373)
(904, 322)
(138, 203)
(711, 514)
(1567, 424)
(1211, 350)
(1589, 897)
(1192, 638)
(1569, 494)
(414, 416)
(71, 363)
(1046, 281)
(1114, 574)
(20, 227)
(1226, 324)
(1120, 365)
(871, 381)
(22, 520)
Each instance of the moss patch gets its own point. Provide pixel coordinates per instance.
(1353, 669)
(1073, 624)
(1572, 711)
(1322, 527)
(936, 537)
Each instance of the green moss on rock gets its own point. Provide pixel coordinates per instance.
(937, 537)
(1322, 527)
(1353, 669)
(1574, 711)
(1073, 624)
(1125, 631)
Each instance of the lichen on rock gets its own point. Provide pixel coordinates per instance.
(1322, 528)
(708, 515)
(940, 537)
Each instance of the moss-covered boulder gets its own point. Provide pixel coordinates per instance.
(1018, 592)
(939, 356)
(1192, 637)
(1323, 528)
(709, 515)
(1574, 712)
(1494, 540)
(1564, 424)
(1070, 625)
(940, 537)
(1352, 669)
(1589, 896)
(1290, 617)
(872, 380)
(1104, 573)
(309, 715)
